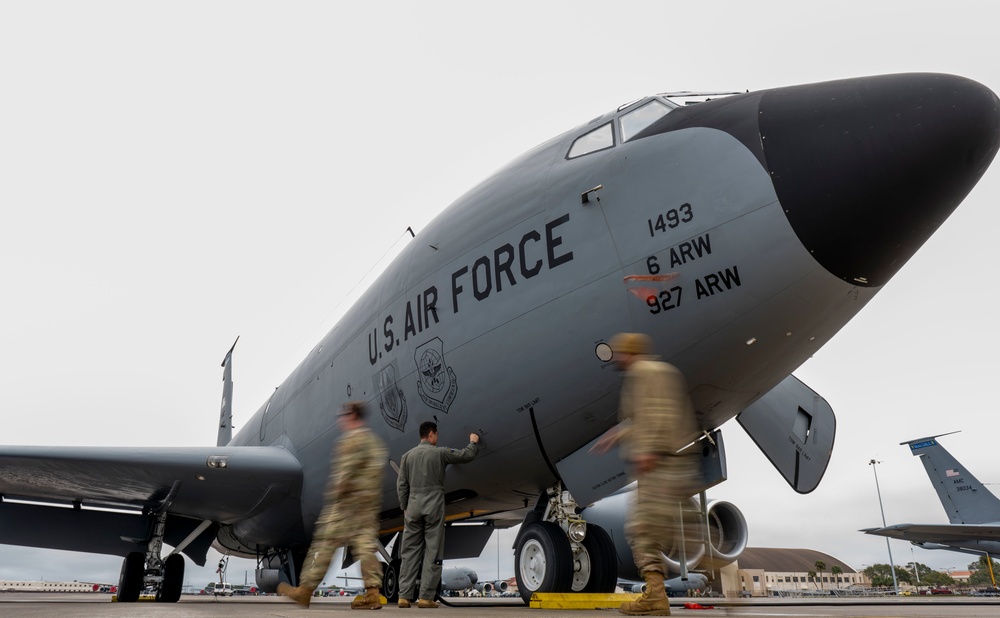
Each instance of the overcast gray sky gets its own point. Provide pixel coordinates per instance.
(173, 175)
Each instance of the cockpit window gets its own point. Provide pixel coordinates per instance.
(638, 119)
(598, 139)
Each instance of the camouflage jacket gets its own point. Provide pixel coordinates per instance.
(659, 411)
(357, 467)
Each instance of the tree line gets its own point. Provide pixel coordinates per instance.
(916, 574)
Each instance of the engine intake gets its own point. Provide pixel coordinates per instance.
(727, 529)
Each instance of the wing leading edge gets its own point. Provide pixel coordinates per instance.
(223, 485)
(938, 533)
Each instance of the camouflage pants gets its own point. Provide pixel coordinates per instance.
(661, 508)
(346, 523)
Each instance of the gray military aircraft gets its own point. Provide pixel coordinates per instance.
(740, 233)
(455, 578)
(459, 578)
(973, 512)
(677, 586)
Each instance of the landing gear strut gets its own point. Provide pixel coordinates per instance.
(166, 576)
(557, 551)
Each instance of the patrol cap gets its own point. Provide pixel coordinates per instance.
(631, 343)
(352, 407)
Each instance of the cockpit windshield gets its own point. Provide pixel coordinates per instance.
(633, 122)
(630, 123)
(598, 139)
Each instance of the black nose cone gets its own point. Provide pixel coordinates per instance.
(867, 169)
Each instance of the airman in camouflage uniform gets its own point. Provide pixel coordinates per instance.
(350, 510)
(420, 487)
(657, 420)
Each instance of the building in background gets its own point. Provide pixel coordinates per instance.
(22, 586)
(765, 571)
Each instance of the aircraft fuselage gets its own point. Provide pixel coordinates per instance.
(492, 320)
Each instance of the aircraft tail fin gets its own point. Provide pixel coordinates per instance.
(962, 495)
(226, 413)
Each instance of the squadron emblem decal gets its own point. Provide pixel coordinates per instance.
(392, 402)
(436, 381)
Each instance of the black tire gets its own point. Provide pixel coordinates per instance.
(390, 580)
(603, 560)
(130, 580)
(543, 560)
(173, 580)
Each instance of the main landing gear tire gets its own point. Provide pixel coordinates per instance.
(130, 580)
(173, 580)
(543, 560)
(390, 580)
(598, 562)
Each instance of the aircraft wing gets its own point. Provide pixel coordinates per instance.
(221, 484)
(938, 533)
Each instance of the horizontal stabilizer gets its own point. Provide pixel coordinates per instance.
(795, 428)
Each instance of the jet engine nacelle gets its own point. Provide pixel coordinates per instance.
(728, 531)
(488, 587)
(694, 547)
(726, 524)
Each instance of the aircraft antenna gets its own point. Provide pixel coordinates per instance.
(408, 230)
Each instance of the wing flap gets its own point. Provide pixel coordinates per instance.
(94, 531)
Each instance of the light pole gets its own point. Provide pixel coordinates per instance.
(892, 566)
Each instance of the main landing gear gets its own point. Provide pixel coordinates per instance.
(148, 569)
(557, 551)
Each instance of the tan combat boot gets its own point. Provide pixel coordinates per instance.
(369, 600)
(426, 604)
(653, 602)
(300, 595)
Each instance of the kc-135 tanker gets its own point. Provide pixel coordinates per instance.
(741, 233)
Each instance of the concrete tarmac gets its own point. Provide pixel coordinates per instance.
(19, 604)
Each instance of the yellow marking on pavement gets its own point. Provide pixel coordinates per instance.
(580, 600)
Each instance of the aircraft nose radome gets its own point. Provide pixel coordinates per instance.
(867, 169)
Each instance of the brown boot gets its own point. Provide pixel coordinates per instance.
(426, 604)
(404, 603)
(653, 602)
(369, 600)
(300, 595)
